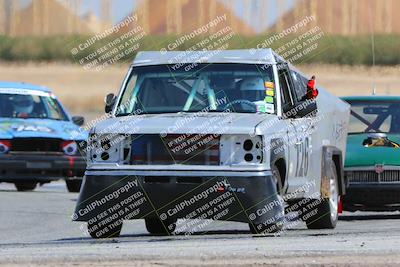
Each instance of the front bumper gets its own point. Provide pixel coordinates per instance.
(372, 187)
(234, 196)
(371, 195)
(41, 167)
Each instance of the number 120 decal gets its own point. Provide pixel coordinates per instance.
(303, 155)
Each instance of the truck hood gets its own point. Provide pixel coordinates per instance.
(44, 128)
(180, 123)
(358, 155)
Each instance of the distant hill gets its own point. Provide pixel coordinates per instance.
(49, 17)
(345, 17)
(161, 17)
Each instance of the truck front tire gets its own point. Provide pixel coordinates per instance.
(73, 186)
(157, 227)
(324, 214)
(25, 186)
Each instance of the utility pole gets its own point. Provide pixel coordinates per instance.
(314, 11)
(279, 11)
(388, 15)
(178, 16)
(143, 6)
(74, 6)
(379, 19)
(296, 10)
(354, 16)
(345, 17)
(231, 5)
(169, 16)
(213, 12)
(329, 7)
(3, 17)
(45, 18)
(263, 14)
(202, 14)
(105, 10)
(36, 17)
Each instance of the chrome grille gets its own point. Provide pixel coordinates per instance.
(388, 176)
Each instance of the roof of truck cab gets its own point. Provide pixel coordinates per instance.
(245, 56)
(22, 85)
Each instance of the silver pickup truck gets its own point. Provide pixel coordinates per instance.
(232, 135)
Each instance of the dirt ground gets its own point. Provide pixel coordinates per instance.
(82, 92)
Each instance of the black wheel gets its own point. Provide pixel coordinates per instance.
(268, 228)
(110, 230)
(25, 186)
(157, 227)
(74, 186)
(324, 212)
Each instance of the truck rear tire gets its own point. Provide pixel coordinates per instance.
(263, 228)
(73, 186)
(25, 186)
(326, 212)
(157, 227)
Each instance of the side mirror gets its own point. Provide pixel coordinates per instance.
(109, 100)
(302, 109)
(78, 120)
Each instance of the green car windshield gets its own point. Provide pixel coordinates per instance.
(198, 87)
(374, 117)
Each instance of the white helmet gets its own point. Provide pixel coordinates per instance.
(22, 103)
(252, 84)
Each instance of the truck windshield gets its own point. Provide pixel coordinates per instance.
(374, 116)
(205, 87)
(26, 106)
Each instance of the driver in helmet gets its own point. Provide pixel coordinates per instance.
(23, 105)
(252, 89)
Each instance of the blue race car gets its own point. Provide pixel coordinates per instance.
(39, 141)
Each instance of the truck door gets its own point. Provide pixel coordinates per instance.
(298, 138)
(303, 125)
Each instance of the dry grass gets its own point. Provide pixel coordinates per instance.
(82, 92)
(356, 80)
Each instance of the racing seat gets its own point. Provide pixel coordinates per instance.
(6, 108)
(225, 86)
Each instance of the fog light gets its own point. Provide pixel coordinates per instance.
(5, 146)
(69, 147)
(248, 157)
(105, 156)
(248, 145)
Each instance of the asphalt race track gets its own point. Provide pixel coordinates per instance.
(36, 229)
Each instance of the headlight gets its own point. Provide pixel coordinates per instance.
(107, 148)
(69, 148)
(5, 146)
(241, 149)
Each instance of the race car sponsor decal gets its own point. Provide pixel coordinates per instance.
(269, 99)
(379, 168)
(31, 128)
(269, 85)
(263, 107)
(269, 92)
(270, 108)
(18, 91)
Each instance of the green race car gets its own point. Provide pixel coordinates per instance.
(372, 165)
